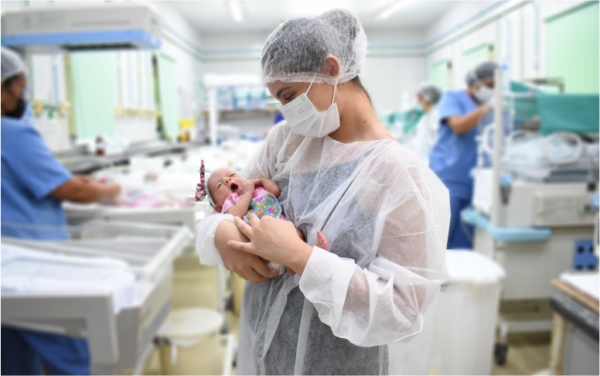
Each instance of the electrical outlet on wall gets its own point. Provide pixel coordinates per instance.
(584, 257)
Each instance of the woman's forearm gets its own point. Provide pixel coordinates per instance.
(300, 257)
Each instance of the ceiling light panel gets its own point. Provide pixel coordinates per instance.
(235, 7)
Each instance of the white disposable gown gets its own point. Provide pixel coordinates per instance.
(386, 218)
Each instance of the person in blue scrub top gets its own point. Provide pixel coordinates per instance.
(33, 185)
(455, 153)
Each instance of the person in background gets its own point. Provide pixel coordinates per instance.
(428, 97)
(33, 185)
(454, 154)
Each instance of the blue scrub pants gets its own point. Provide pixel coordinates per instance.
(24, 352)
(457, 238)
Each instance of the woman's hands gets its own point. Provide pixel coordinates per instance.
(246, 265)
(273, 239)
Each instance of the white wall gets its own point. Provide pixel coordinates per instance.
(233, 52)
(389, 71)
(519, 36)
(394, 67)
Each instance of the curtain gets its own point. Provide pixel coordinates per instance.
(168, 95)
(93, 85)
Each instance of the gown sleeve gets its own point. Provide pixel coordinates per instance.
(384, 301)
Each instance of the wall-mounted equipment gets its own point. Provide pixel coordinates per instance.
(82, 27)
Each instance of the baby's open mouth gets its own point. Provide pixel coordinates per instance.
(234, 188)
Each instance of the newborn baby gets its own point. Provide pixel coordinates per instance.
(230, 193)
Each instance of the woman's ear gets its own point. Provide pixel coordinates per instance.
(332, 66)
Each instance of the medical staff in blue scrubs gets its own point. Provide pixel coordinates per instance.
(33, 185)
(455, 153)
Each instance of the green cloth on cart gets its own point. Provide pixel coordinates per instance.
(525, 108)
(576, 113)
(411, 119)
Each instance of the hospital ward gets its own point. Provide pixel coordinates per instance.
(289, 187)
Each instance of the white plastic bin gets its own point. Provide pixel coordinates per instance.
(467, 315)
(191, 344)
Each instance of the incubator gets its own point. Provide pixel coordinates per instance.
(532, 202)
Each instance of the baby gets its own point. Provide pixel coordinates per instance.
(230, 193)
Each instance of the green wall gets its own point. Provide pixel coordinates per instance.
(572, 48)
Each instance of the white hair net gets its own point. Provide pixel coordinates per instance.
(296, 50)
(12, 64)
(386, 217)
(483, 71)
(430, 93)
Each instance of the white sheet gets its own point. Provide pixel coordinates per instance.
(26, 270)
(587, 283)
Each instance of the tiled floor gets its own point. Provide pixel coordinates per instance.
(195, 285)
(528, 354)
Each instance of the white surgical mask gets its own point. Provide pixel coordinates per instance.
(484, 94)
(305, 120)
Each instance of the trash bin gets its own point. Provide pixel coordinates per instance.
(467, 315)
(189, 342)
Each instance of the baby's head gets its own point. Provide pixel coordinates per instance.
(222, 183)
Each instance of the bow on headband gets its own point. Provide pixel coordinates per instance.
(201, 188)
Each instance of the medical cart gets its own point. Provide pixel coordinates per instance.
(531, 212)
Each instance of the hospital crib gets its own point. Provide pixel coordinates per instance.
(119, 332)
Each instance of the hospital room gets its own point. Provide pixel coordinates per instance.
(222, 187)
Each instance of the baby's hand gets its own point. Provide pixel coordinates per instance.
(248, 186)
(257, 182)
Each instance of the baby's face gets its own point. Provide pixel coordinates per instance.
(222, 183)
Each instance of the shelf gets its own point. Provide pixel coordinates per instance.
(243, 112)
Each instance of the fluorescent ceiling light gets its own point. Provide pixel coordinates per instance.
(236, 11)
(393, 8)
